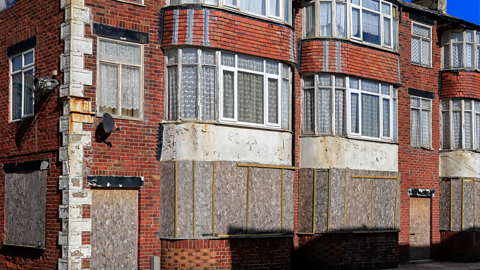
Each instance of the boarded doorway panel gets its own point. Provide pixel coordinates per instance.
(419, 228)
(114, 229)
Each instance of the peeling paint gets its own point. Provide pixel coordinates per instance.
(460, 163)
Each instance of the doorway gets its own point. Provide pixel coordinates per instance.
(419, 228)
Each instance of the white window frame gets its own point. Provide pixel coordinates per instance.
(420, 109)
(219, 118)
(316, 4)
(23, 70)
(421, 39)
(448, 35)
(120, 65)
(347, 111)
(475, 110)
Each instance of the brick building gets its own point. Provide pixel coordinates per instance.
(319, 134)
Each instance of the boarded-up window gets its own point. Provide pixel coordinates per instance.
(25, 208)
(114, 229)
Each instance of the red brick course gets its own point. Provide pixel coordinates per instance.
(460, 246)
(460, 84)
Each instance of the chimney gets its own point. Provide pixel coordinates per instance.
(440, 5)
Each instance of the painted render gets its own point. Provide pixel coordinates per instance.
(460, 163)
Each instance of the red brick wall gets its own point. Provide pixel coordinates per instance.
(356, 60)
(133, 151)
(419, 168)
(347, 251)
(260, 253)
(460, 246)
(233, 32)
(460, 85)
(36, 137)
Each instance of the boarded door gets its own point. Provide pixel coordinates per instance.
(114, 229)
(419, 228)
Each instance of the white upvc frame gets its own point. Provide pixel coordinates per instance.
(423, 38)
(347, 111)
(382, 18)
(23, 70)
(475, 110)
(420, 109)
(448, 34)
(119, 86)
(265, 76)
(316, 6)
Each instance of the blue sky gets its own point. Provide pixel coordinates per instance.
(468, 10)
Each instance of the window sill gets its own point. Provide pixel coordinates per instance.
(422, 148)
(20, 120)
(349, 137)
(140, 119)
(418, 65)
(135, 4)
(226, 124)
(461, 69)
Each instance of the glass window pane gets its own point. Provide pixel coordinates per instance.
(469, 36)
(354, 114)
(285, 71)
(371, 4)
(415, 52)
(285, 104)
(356, 22)
(272, 67)
(254, 6)
(354, 84)
(395, 120)
(457, 104)
(189, 92)
(191, 1)
(478, 37)
(175, 2)
(231, 2)
(325, 19)
(446, 130)
(426, 104)
(250, 98)
(189, 56)
(446, 56)
(129, 54)
(228, 94)
(478, 56)
(287, 10)
(371, 27)
(274, 8)
(386, 9)
(415, 128)
(208, 93)
(340, 112)
(310, 21)
(17, 96)
(469, 56)
(16, 63)
(372, 87)
(422, 31)
(249, 63)
(212, 2)
(457, 36)
(228, 60)
(385, 89)
(131, 91)
(325, 80)
(108, 89)
(308, 81)
(28, 58)
(208, 58)
(341, 13)
(477, 131)
(467, 105)
(445, 104)
(309, 121)
(172, 57)
(172, 78)
(426, 129)
(370, 116)
(339, 82)
(468, 130)
(324, 111)
(273, 101)
(425, 52)
(457, 129)
(356, 2)
(386, 118)
(477, 106)
(415, 102)
(387, 36)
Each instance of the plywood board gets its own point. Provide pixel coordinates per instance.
(288, 201)
(167, 199)
(114, 229)
(265, 201)
(468, 207)
(444, 215)
(230, 198)
(384, 204)
(457, 205)
(185, 199)
(203, 198)
(398, 195)
(359, 203)
(25, 208)
(337, 200)
(305, 200)
(419, 228)
(321, 202)
(477, 206)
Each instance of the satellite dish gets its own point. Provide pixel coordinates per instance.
(105, 128)
(41, 84)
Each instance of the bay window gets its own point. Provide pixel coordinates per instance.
(251, 91)
(461, 49)
(331, 20)
(338, 105)
(460, 124)
(279, 10)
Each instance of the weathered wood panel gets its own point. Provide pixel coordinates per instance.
(305, 200)
(185, 199)
(384, 204)
(468, 208)
(337, 200)
(444, 215)
(477, 206)
(321, 202)
(203, 198)
(419, 228)
(230, 198)
(25, 208)
(359, 204)
(265, 201)
(167, 199)
(114, 229)
(457, 205)
(288, 200)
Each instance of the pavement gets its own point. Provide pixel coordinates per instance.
(438, 265)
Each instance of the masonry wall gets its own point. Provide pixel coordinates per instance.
(419, 167)
(35, 137)
(133, 148)
(461, 84)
